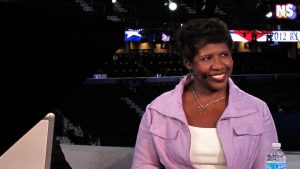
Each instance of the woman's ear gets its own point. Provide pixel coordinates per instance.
(187, 64)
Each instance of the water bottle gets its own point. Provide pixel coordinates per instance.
(276, 159)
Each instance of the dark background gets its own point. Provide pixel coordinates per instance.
(45, 56)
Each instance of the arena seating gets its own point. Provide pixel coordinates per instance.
(167, 64)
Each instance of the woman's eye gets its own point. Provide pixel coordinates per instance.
(226, 54)
(206, 58)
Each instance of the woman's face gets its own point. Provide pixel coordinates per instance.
(212, 66)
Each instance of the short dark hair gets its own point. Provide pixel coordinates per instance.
(196, 33)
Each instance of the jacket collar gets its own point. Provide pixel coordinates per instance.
(240, 103)
(170, 103)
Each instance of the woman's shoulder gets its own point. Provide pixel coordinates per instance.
(251, 97)
(163, 97)
(238, 94)
(247, 101)
(171, 95)
(163, 102)
(244, 102)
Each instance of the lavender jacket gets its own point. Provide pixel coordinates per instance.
(246, 130)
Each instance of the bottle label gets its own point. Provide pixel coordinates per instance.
(275, 165)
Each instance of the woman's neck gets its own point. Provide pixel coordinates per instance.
(207, 93)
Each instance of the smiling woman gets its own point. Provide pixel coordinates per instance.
(212, 66)
(196, 124)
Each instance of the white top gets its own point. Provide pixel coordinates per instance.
(206, 151)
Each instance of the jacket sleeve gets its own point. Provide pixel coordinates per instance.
(145, 155)
(268, 137)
